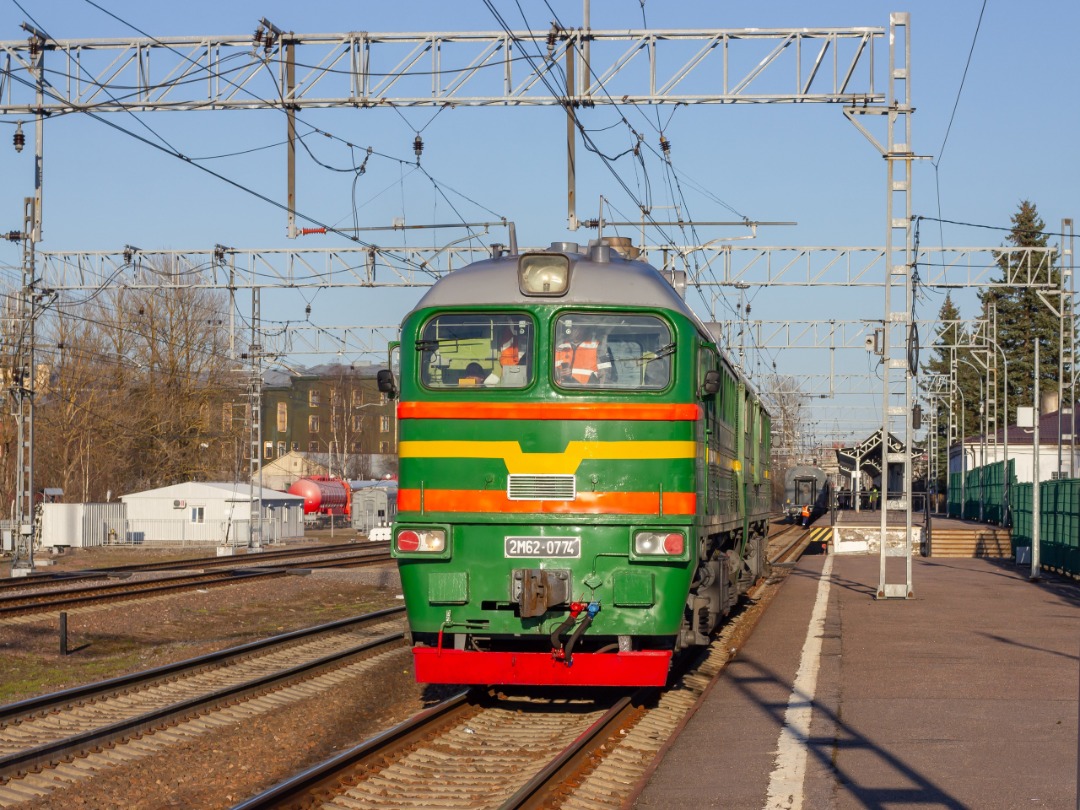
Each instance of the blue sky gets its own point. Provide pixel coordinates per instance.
(1012, 138)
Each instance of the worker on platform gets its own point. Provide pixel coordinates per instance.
(806, 515)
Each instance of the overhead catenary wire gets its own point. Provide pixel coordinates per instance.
(169, 149)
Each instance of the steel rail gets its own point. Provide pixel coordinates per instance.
(23, 603)
(16, 605)
(792, 549)
(43, 704)
(46, 578)
(545, 784)
(214, 562)
(49, 753)
(55, 751)
(325, 773)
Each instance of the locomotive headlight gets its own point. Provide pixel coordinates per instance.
(421, 540)
(653, 543)
(546, 274)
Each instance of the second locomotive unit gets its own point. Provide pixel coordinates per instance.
(583, 473)
(805, 485)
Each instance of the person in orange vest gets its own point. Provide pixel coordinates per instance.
(583, 358)
(806, 514)
(509, 350)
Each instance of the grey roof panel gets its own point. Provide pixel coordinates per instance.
(495, 281)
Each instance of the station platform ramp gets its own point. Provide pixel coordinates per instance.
(964, 696)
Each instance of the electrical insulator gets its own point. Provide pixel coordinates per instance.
(258, 37)
(19, 139)
(551, 40)
(307, 310)
(13, 236)
(418, 146)
(665, 145)
(34, 45)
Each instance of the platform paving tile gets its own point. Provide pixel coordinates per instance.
(965, 696)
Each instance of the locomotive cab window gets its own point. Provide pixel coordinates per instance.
(612, 351)
(466, 351)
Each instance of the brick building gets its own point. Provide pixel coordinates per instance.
(332, 410)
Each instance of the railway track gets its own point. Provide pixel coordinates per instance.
(65, 737)
(498, 750)
(42, 580)
(21, 603)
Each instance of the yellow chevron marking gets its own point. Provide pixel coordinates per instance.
(820, 534)
(565, 463)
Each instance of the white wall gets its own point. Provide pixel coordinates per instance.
(209, 515)
(1022, 455)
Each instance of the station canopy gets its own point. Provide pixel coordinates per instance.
(866, 455)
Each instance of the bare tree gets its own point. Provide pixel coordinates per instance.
(784, 399)
(135, 394)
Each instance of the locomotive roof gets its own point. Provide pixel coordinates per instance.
(597, 277)
(619, 281)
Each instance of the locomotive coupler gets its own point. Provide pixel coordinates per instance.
(537, 590)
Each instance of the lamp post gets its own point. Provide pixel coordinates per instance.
(963, 451)
(1005, 431)
(1035, 516)
(985, 429)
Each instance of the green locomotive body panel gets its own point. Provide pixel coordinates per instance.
(474, 592)
(555, 453)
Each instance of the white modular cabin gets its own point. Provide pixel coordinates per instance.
(208, 513)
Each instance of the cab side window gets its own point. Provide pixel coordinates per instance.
(463, 351)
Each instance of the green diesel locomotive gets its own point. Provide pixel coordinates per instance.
(583, 479)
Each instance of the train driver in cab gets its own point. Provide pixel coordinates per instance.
(583, 357)
(510, 349)
(474, 374)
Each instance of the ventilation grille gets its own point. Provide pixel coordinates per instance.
(541, 488)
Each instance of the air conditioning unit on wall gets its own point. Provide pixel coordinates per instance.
(179, 504)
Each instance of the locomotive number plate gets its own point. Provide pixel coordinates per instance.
(542, 547)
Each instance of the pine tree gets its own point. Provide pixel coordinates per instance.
(949, 349)
(1022, 317)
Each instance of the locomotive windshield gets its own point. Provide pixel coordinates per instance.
(470, 350)
(612, 351)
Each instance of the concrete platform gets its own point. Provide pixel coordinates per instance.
(963, 697)
(866, 517)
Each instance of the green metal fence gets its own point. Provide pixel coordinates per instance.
(982, 496)
(954, 507)
(1059, 522)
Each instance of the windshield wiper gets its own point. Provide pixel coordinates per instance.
(662, 352)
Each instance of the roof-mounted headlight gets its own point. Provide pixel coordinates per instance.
(544, 274)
